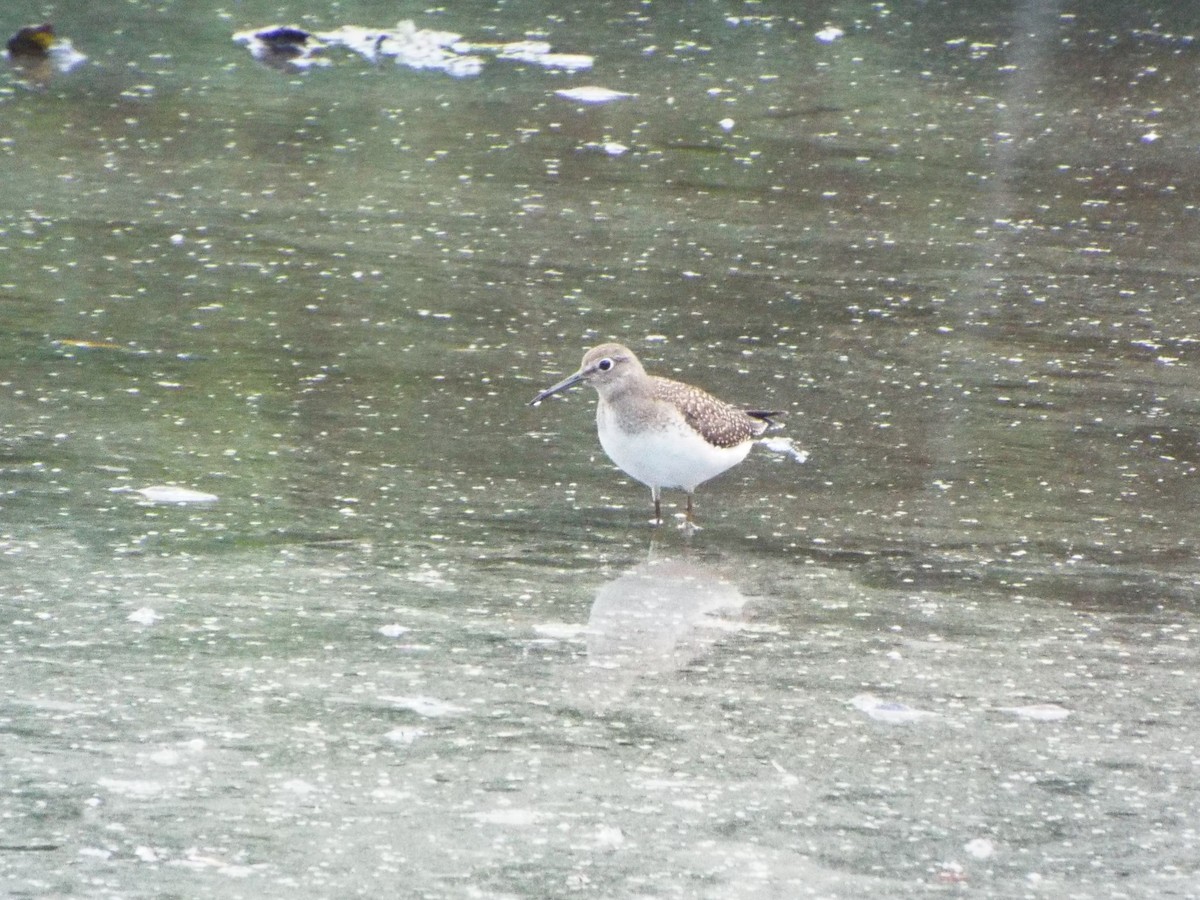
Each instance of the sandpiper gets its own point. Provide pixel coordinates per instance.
(664, 433)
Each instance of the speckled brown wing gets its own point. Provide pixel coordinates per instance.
(720, 423)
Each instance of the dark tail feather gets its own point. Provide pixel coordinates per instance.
(765, 415)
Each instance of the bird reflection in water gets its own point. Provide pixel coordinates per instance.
(660, 616)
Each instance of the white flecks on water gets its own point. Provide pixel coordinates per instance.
(610, 148)
(997, 519)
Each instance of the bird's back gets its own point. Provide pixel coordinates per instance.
(721, 424)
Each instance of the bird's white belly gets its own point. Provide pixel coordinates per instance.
(674, 456)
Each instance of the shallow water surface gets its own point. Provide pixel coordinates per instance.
(302, 599)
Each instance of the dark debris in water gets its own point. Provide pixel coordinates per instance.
(32, 41)
(283, 36)
(38, 52)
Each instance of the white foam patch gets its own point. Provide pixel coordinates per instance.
(784, 447)
(143, 616)
(299, 787)
(64, 56)
(425, 706)
(592, 94)
(511, 817)
(1039, 712)
(608, 837)
(132, 787)
(561, 631)
(405, 735)
(287, 46)
(889, 711)
(169, 493)
(980, 848)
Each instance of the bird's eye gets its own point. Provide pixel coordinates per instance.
(604, 365)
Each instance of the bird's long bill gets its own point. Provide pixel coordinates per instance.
(569, 381)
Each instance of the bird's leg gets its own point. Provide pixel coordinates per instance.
(654, 492)
(689, 526)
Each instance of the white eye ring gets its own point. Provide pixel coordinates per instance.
(605, 364)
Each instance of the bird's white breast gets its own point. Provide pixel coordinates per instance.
(664, 452)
